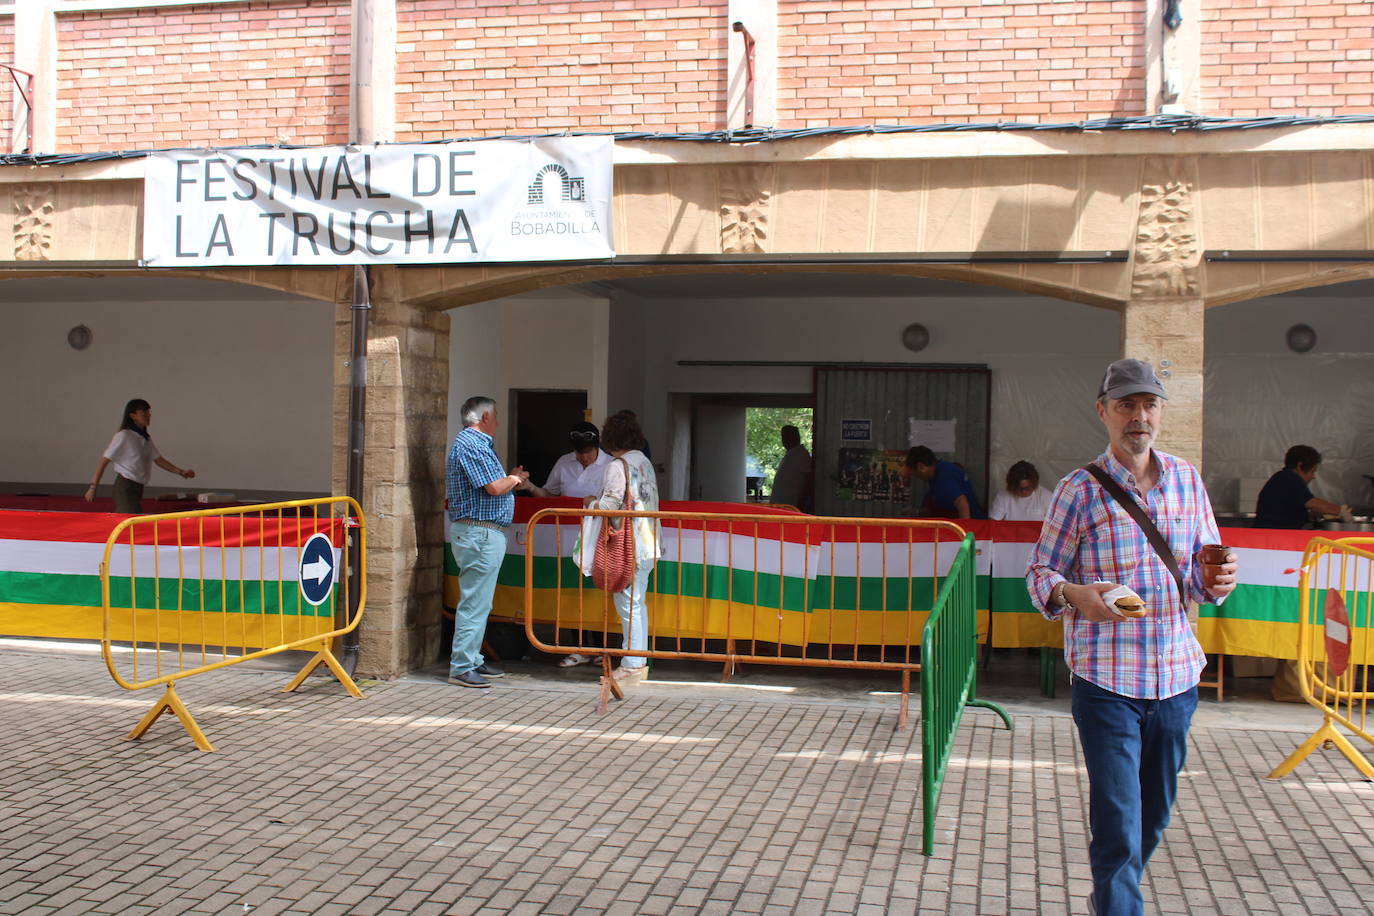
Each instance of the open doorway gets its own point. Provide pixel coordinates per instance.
(734, 457)
(540, 420)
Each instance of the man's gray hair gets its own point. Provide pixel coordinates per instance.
(473, 408)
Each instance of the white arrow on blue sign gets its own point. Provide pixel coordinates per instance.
(316, 572)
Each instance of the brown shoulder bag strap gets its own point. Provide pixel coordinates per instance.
(1135, 511)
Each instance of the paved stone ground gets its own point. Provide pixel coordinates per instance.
(686, 798)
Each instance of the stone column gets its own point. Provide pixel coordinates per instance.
(1168, 334)
(403, 474)
(35, 52)
(1162, 323)
(372, 76)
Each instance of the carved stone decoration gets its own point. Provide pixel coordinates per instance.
(1166, 244)
(744, 196)
(33, 223)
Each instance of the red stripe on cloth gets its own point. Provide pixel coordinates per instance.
(213, 531)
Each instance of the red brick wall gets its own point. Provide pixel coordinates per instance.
(904, 61)
(483, 67)
(204, 75)
(1284, 57)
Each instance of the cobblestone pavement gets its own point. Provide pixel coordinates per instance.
(426, 798)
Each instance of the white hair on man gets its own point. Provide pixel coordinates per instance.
(473, 408)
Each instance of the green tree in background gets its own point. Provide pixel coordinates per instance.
(762, 442)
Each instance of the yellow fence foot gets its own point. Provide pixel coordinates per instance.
(1327, 732)
(171, 701)
(324, 657)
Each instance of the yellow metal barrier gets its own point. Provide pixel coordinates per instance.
(190, 592)
(795, 590)
(1335, 650)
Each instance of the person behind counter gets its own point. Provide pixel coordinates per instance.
(133, 454)
(951, 495)
(1024, 500)
(1286, 501)
(579, 472)
(792, 484)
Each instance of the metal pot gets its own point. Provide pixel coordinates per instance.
(1360, 524)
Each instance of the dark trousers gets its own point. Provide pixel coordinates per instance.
(1134, 750)
(128, 496)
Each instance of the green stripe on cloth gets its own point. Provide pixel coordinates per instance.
(1265, 603)
(744, 587)
(84, 591)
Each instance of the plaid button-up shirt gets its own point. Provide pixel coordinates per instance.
(472, 464)
(1088, 537)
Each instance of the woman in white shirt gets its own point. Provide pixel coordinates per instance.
(1023, 500)
(133, 455)
(579, 472)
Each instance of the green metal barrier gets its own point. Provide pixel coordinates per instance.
(949, 657)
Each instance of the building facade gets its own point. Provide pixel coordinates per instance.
(1046, 185)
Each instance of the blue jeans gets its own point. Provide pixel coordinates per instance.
(634, 614)
(478, 551)
(1134, 750)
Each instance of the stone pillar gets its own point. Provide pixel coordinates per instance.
(1162, 323)
(35, 52)
(760, 18)
(372, 77)
(1168, 334)
(1173, 58)
(403, 473)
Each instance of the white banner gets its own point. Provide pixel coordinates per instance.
(442, 203)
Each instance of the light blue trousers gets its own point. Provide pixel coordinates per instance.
(478, 551)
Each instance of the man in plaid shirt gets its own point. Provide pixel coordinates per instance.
(1134, 679)
(481, 503)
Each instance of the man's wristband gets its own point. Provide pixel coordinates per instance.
(1059, 599)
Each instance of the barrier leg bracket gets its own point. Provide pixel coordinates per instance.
(609, 687)
(986, 704)
(1327, 733)
(906, 700)
(324, 657)
(171, 701)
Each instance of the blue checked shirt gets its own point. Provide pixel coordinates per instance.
(472, 464)
(1088, 537)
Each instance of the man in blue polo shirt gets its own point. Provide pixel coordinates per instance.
(951, 495)
(481, 503)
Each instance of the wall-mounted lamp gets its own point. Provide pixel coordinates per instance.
(1301, 338)
(915, 337)
(79, 337)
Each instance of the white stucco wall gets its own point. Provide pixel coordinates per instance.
(1046, 357)
(556, 339)
(1261, 397)
(240, 382)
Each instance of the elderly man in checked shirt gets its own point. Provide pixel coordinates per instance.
(1134, 679)
(481, 503)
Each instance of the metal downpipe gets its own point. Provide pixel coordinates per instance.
(357, 431)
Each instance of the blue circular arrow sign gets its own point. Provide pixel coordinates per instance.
(316, 572)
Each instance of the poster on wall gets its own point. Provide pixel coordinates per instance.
(856, 430)
(872, 475)
(936, 435)
(442, 203)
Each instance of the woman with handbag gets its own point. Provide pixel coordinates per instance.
(629, 483)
